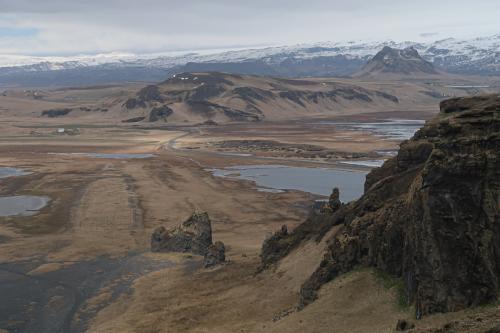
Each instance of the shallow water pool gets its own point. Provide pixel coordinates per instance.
(391, 129)
(22, 205)
(12, 172)
(109, 155)
(318, 181)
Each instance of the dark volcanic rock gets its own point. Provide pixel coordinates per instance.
(252, 94)
(334, 202)
(150, 94)
(486, 321)
(133, 120)
(403, 325)
(147, 94)
(429, 216)
(206, 91)
(193, 235)
(392, 98)
(351, 94)
(238, 115)
(54, 113)
(294, 96)
(204, 108)
(209, 122)
(476, 102)
(215, 255)
(133, 103)
(273, 246)
(315, 227)
(208, 109)
(160, 113)
(395, 61)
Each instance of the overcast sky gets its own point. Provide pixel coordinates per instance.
(68, 27)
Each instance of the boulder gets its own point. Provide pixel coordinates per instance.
(404, 325)
(215, 255)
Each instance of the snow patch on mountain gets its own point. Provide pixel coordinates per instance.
(450, 52)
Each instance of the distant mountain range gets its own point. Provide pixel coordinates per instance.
(479, 56)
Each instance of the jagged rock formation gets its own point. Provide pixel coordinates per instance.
(194, 235)
(430, 215)
(334, 202)
(394, 61)
(215, 255)
(273, 248)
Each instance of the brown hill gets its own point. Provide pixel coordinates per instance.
(429, 216)
(197, 97)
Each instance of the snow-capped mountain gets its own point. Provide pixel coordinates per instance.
(471, 56)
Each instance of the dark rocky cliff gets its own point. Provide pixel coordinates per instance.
(429, 216)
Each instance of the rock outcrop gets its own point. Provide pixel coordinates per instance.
(133, 103)
(215, 255)
(144, 96)
(403, 325)
(133, 120)
(273, 247)
(160, 113)
(334, 202)
(54, 113)
(194, 235)
(429, 216)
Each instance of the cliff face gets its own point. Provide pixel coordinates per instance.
(429, 215)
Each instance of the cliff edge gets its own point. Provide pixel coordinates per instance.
(429, 216)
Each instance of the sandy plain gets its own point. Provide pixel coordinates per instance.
(102, 212)
(83, 262)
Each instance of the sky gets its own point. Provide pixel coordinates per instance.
(70, 27)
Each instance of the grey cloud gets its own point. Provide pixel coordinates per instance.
(154, 25)
(235, 6)
(429, 34)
